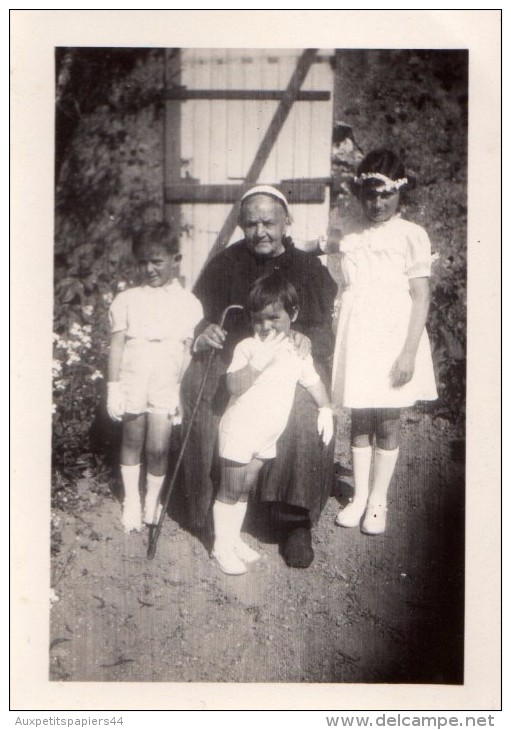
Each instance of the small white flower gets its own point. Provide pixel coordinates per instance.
(73, 357)
(88, 310)
(96, 375)
(75, 329)
(108, 298)
(60, 385)
(53, 596)
(121, 285)
(56, 368)
(53, 408)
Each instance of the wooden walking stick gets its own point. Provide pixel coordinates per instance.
(154, 531)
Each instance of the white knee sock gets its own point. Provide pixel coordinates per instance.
(351, 515)
(130, 478)
(227, 525)
(151, 507)
(131, 515)
(242, 550)
(361, 457)
(384, 465)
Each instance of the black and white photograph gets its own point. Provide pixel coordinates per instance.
(257, 436)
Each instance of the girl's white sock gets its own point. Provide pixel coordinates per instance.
(152, 506)
(351, 515)
(384, 465)
(361, 458)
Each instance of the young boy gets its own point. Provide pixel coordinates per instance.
(261, 380)
(152, 327)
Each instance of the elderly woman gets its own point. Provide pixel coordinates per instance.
(298, 481)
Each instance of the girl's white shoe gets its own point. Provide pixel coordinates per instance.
(131, 516)
(245, 552)
(375, 519)
(228, 561)
(351, 515)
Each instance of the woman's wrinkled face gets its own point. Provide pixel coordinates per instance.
(263, 220)
(378, 203)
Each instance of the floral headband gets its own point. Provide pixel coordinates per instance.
(389, 184)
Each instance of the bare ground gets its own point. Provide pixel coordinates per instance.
(369, 609)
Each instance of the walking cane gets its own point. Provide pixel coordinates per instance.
(154, 532)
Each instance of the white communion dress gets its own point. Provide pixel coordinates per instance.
(377, 262)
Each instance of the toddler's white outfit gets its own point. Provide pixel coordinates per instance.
(157, 322)
(377, 262)
(253, 421)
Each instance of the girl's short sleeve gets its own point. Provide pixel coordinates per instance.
(418, 253)
(308, 374)
(118, 313)
(241, 356)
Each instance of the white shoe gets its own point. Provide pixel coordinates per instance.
(351, 515)
(228, 561)
(152, 513)
(375, 519)
(245, 552)
(131, 516)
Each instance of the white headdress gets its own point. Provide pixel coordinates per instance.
(389, 184)
(266, 190)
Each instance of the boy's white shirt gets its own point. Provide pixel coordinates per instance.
(167, 312)
(280, 376)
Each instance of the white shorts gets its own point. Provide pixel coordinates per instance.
(149, 376)
(242, 439)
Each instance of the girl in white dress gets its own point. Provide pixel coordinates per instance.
(382, 358)
(152, 328)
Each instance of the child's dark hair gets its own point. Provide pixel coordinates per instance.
(270, 289)
(385, 162)
(155, 235)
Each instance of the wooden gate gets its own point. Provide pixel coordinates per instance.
(239, 117)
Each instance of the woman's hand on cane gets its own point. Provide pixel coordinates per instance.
(212, 337)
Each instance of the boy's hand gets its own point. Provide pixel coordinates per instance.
(326, 424)
(115, 403)
(301, 343)
(267, 350)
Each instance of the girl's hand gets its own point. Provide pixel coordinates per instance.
(267, 350)
(402, 370)
(326, 424)
(115, 403)
(212, 337)
(301, 343)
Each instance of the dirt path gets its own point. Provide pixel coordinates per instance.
(369, 609)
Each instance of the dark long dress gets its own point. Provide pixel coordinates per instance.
(301, 473)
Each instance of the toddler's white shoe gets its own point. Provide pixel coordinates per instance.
(245, 552)
(351, 515)
(228, 561)
(131, 516)
(375, 519)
